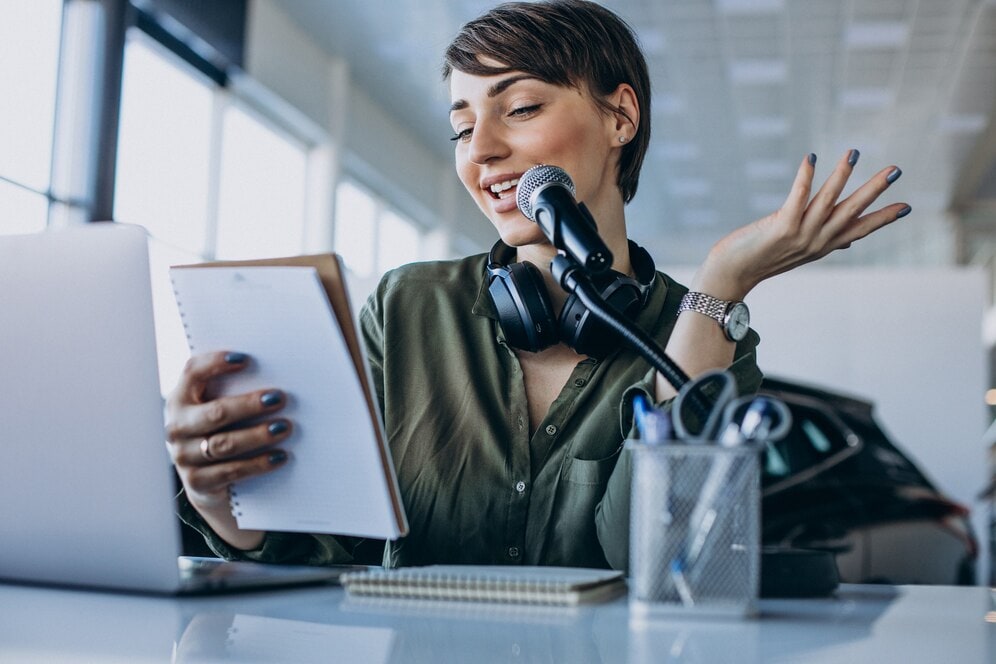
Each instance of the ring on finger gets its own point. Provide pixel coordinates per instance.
(206, 450)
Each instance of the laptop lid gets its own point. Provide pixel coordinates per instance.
(85, 485)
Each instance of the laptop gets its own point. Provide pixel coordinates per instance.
(86, 485)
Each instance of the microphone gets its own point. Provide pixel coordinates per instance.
(545, 195)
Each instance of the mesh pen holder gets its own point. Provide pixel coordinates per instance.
(694, 529)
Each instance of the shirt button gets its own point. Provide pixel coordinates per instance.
(520, 422)
(520, 486)
(513, 552)
(579, 382)
(551, 430)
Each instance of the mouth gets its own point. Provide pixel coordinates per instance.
(502, 189)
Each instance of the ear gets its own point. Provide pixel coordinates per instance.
(625, 119)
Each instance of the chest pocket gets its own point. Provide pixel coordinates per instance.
(590, 472)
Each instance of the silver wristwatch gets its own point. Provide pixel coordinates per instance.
(733, 317)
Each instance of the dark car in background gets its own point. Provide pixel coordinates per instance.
(837, 483)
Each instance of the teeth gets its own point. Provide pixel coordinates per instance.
(504, 186)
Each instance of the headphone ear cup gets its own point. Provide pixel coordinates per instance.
(587, 334)
(576, 323)
(524, 310)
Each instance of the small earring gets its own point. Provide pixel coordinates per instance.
(623, 139)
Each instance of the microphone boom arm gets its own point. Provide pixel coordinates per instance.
(573, 279)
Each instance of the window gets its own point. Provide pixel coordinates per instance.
(398, 242)
(23, 210)
(164, 147)
(355, 228)
(262, 197)
(211, 174)
(29, 32)
(205, 177)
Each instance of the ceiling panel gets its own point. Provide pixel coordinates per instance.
(743, 89)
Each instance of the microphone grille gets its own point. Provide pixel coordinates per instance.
(536, 178)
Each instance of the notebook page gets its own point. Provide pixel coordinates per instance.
(335, 480)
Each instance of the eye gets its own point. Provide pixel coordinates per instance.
(462, 135)
(522, 111)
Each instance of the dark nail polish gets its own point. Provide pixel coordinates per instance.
(236, 358)
(893, 176)
(277, 428)
(276, 456)
(852, 158)
(812, 158)
(905, 211)
(271, 398)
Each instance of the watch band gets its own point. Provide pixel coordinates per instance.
(704, 304)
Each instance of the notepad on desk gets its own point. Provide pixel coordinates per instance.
(566, 586)
(292, 317)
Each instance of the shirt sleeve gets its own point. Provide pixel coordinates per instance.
(280, 547)
(612, 513)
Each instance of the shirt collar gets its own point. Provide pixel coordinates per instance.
(483, 306)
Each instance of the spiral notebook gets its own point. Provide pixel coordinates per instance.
(292, 317)
(565, 586)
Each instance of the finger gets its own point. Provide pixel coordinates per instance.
(825, 200)
(203, 419)
(854, 205)
(871, 222)
(798, 196)
(219, 476)
(200, 369)
(236, 443)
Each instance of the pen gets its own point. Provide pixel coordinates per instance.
(765, 418)
(653, 424)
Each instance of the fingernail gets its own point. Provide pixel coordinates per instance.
(893, 176)
(277, 428)
(236, 358)
(812, 158)
(276, 456)
(905, 211)
(852, 158)
(271, 398)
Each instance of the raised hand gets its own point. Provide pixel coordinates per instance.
(803, 230)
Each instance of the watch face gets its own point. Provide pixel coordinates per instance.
(737, 321)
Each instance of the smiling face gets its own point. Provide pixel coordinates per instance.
(507, 123)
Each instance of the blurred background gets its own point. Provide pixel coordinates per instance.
(252, 128)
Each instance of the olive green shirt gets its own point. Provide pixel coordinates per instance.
(477, 486)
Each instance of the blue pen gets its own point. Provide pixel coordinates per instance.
(653, 424)
(764, 419)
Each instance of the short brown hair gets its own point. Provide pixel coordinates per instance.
(563, 42)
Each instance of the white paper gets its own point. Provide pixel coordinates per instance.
(335, 480)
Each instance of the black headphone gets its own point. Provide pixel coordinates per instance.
(526, 315)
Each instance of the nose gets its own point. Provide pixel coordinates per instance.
(487, 143)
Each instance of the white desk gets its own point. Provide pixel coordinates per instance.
(861, 624)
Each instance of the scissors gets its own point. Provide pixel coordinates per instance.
(752, 419)
(717, 389)
(730, 419)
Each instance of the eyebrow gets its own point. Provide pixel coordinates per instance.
(494, 90)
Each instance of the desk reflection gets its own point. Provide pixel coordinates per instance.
(862, 623)
(434, 631)
(238, 637)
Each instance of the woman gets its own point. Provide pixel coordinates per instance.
(507, 454)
